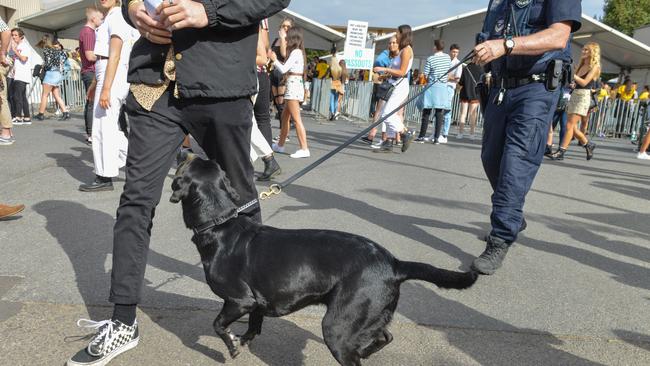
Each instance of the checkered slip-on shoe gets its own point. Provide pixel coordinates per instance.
(112, 338)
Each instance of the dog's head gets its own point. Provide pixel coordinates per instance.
(204, 190)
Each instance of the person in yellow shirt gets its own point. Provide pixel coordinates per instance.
(321, 68)
(645, 95)
(603, 92)
(626, 91)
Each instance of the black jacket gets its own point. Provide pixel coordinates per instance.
(217, 61)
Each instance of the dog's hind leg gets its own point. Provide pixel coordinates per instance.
(254, 326)
(230, 312)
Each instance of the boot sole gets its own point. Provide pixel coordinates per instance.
(274, 174)
(104, 361)
(104, 189)
(487, 273)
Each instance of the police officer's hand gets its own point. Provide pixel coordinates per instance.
(149, 28)
(489, 51)
(179, 14)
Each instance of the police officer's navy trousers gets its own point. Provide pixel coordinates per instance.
(514, 140)
(223, 129)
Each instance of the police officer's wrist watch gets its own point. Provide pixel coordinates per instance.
(509, 45)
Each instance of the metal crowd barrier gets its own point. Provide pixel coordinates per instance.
(73, 93)
(358, 96)
(613, 118)
(617, 118)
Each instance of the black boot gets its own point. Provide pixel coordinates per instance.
(271, 169)
(589, 148)
(492, 258)
(386, 146)
(549, 151)
(559, 154)
(99, 184)
(407, 138)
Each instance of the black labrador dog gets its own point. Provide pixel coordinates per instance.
(264, 271)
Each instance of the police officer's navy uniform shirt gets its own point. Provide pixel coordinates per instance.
(525, 17)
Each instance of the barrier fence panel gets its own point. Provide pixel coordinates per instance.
(72, 91)
(617, 118)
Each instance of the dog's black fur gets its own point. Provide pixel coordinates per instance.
(264, 271)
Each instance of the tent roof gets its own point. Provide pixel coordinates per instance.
(616, 47)
(71, 15)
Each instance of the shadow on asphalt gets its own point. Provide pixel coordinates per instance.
(627, 225)
(404, 225)
(89, 248)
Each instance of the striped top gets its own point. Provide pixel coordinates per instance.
(437, 66)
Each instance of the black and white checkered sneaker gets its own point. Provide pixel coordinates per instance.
(113, 337)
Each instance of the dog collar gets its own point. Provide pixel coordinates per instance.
(218, 221)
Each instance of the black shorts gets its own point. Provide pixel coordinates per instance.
(277, 78)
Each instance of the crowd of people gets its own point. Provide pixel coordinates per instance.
(131, 65)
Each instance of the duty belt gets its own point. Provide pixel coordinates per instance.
(515, 82)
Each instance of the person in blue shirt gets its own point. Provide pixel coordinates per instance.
(384, 59)
(523, 44)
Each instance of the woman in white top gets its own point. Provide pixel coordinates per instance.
(398, 71)
(112, 47)
(22, 51)
(294, 68)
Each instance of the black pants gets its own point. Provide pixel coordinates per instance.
(223, 129)
(262, 105)
(87, 78)
(19, 96)
(440, 118)
(10, 100)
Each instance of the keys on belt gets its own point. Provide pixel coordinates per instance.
(515, 82)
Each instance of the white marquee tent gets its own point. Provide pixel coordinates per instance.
(66, 20)
(619, 51)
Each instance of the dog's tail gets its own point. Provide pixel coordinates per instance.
(439, 277)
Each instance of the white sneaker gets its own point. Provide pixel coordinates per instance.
(460, 136)
(112, 338)
(301, 153)
(277, 148)
(442, 139)
(376, 145)
(643, 156)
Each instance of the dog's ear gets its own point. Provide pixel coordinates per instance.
(180, 188)
(224, 182)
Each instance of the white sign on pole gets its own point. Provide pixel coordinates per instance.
(357, 56)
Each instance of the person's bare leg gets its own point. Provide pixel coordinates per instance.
(293, 106)
(46, 92)
(57, 96)
(464, 109)
(549, 137)
(645, 144)
(284, 127)
(473, 117)
(373, 132)
(571, 126)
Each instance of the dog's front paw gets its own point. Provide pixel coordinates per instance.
(234, 349)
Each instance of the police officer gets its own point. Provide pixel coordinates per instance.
(525, 45)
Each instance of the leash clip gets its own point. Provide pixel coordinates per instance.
(274, 189)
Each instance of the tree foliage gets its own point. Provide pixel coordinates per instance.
(626, 15)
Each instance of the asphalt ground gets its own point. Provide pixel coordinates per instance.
(574, 289)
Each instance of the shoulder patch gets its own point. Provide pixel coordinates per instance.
(523, 3)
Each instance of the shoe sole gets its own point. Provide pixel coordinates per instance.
(105, 189)
(276, 173)
(13, 213)
(108, 357)
(487, 273)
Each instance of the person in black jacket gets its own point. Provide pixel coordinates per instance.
(192, 71)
